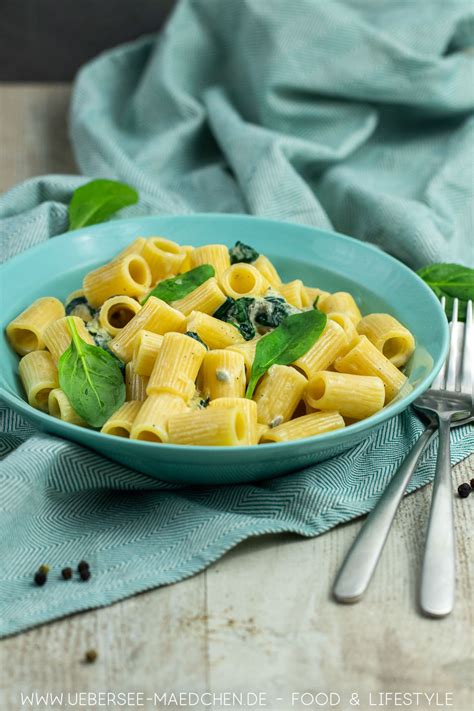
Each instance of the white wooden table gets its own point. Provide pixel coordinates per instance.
(261, 619)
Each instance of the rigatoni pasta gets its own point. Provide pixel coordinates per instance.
(39, 375)
(365, 359)
(389, 336)
(176, 366)
(128, 276)
(26, 331)
(155, 316)
(150, 424)
(121, 422)
(206, 346)
(60, 407)
(57, 336)
(354, 396)
(223, 374)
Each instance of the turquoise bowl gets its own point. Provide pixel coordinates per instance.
(321, 258)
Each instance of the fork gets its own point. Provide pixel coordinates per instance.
(360, 563)
(449, 396)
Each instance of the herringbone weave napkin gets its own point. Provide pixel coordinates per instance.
(356, 116)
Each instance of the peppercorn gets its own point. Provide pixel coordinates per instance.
(464, 490)
(83, 565)
(90, 656)
(44, 569)
(85, 574)
(66, 573)
(472, 483)
(40, 578)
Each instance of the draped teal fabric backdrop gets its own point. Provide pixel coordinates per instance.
(355, 115)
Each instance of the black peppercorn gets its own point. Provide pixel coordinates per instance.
(66, 573)
(83, 565)
(464, 490)
(85, 574)
(90, 656)
(472, 483)
(40, 578)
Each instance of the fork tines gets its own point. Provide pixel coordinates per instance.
(457, 372)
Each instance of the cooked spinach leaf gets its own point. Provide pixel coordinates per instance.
(97, 201)
(91, 379)
(241, 252)
(247, 313)
(288, 342)
(236, 312)
(272, 310)
(451, 281)
(180, 286)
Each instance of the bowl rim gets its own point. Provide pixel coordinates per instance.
(336, 437)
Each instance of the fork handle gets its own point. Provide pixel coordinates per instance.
(438, 573)
(360, 563)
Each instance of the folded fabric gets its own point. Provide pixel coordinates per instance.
(352, 116)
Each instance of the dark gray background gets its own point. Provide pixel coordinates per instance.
(47, 40)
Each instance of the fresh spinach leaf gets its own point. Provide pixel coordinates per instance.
(91, 378)
(288, 342)
(241, 252)
(97, 201)
(451, 281)
(180, 286)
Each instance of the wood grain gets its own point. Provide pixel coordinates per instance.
(261, 618)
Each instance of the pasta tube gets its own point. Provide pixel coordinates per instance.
(136, 247)
(223, 374)
(26, 331)
(211, 427)
(39, 376)
(205, 298)
(135, 385)
(340, 301)
(163, 256)
(278, 394)
(60, 407)
(388, 336)
(307, 426)
(217, 255)
(247, 350)
(345, 322)
(366, 359)
(116, 312)
(294, 292)
(214, 333)
(186, 264)
(313, 293)
(243, 280)
(268, 271)
(331, 343)
(121, 422)
(151, 421)
(176, 366)
(353, 396)
(57, 336)
(129, 276)
(145, 349)
(249, 410)
(156, 316)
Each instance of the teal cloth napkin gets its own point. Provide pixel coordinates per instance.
(356, 116)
